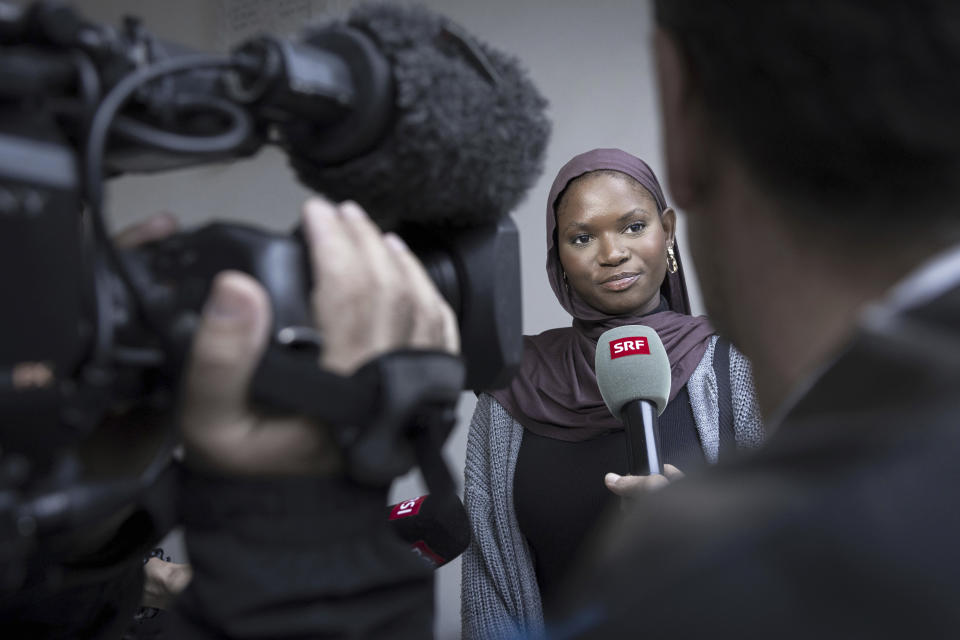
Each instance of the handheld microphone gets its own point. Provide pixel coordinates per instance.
(437, 529)
(633, 373)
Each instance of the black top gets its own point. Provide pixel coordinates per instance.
(558, 488)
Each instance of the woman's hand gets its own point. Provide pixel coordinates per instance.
(635, 486)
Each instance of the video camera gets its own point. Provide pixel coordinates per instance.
(436, 135)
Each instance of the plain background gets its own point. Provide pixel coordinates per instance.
(590, 59)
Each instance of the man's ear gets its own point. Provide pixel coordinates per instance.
(680, 118)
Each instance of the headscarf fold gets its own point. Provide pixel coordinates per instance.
(555, 393)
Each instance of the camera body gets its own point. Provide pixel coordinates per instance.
(474, 269)
(100, 330)
(435, 134)
(47, 283)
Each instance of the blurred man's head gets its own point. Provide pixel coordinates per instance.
(815, 145)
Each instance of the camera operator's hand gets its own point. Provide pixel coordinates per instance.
(163, 581)
(371, 296)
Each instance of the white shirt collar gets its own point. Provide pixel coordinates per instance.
(931, 279)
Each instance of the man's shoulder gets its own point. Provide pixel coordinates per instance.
(785, 535)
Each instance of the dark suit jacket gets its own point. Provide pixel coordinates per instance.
(845, 525)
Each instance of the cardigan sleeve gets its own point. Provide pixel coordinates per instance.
(747, 421)
(499, 593)
(703, 391)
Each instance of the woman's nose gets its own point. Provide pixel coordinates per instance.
(612, 252)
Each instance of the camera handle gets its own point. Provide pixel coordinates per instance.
(392, 413)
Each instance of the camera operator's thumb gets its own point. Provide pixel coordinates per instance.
(220, 431)
(229, 341)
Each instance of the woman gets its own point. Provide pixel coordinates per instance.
(538, 451)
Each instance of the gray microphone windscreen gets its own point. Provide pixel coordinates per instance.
(631, 364)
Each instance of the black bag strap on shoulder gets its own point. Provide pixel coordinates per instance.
(721, 367)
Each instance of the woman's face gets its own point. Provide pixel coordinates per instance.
(613, 244)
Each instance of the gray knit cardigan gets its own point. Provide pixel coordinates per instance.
(499, 593)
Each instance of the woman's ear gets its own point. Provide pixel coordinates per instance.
(668, 220)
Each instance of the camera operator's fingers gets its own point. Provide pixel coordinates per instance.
(156, 227)
(433, 324)
(227, 346)
(410, 312)
(163, 582)
(378, 287)
(366, 238)
(672, 473)
(356, 284)
(221, 433)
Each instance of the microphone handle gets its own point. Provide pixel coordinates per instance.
(643, 437)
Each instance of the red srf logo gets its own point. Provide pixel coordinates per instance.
(406, 508)
(629, 347)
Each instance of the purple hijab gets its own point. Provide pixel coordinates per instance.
(555, 393)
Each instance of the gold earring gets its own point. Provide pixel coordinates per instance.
(671, 260)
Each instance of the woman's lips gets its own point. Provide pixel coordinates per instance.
(620, 282)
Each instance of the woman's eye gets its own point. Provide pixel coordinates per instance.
(636, 227)
(580, 239)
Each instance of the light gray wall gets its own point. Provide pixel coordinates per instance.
(590, 59)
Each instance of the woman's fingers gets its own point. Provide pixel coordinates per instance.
(672, 473)
(628, 486)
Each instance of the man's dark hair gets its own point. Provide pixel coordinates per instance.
(850, 103)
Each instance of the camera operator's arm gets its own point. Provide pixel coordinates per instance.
(281, 543)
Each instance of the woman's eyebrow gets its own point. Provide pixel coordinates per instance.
(632, 214)
(576, 224)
